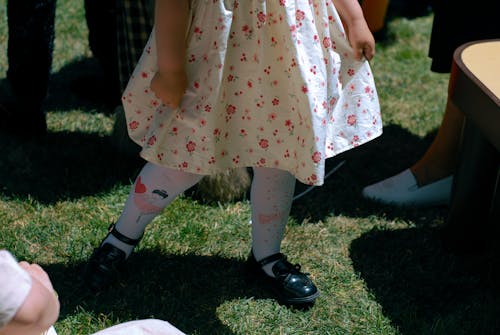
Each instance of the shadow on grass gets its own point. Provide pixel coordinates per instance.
(425, 290)
(69, 165)
(396, 150)
(80, 84)
(184, 290)
(64, 166)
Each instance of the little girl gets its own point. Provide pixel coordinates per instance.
(275, 85)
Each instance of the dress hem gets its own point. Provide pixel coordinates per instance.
(244, 164)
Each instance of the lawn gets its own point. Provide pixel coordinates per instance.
(381, 270)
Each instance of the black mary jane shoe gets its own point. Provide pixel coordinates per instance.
(106, 262)
(291, 286)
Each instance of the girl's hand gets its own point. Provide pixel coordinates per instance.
(36, 272)
(361, 39)
(170, 87)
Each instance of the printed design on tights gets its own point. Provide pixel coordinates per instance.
(270, 218)
(148, 202)
(274, 223)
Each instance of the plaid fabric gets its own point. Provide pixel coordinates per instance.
(135, 22)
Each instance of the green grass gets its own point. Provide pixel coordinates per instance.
(381, 270)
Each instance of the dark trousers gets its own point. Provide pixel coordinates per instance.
(30, 46)
(101, 17)
(31, 43)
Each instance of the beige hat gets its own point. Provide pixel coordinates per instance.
(15, 284)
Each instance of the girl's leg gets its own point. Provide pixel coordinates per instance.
(271, 199)
(428, 182)
(154, 189)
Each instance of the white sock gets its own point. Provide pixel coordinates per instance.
(271, 199)
(153, 190)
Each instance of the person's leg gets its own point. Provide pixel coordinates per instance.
(429, 181)
(153, 190)
(271, 198)
(101, 22)
(30, 46)
(101, 18)
(440, 159)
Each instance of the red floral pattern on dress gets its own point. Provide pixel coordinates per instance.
(271, 85)
(190, 146)
(316, 157)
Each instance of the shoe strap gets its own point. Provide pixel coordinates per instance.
(112, 230)
(272, 258)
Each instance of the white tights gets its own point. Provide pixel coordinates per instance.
(156, 187)
(271, 198)
(153, 190)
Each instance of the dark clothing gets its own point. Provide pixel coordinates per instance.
(30, 46)
(101, 17)
(456, 23)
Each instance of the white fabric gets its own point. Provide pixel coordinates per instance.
(51, 331)
(153, 190)
(271, 84)
(15, 284)
(142, 327)
(271, 199)
(137, 327)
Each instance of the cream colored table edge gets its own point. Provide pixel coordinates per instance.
(475, 85)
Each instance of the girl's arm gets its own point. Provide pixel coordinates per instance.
(358, 33)
(40, 308)
(171, 21)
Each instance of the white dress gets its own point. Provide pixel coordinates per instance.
(271, 84)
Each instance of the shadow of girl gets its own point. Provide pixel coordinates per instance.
(183, 290)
